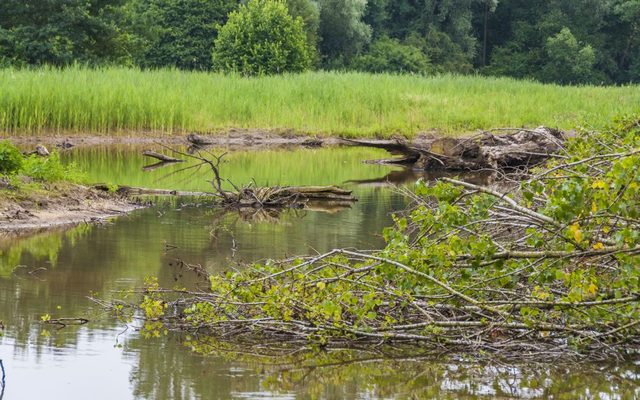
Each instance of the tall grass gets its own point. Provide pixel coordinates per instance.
(116, 100)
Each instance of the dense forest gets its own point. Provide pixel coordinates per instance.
(562, 41)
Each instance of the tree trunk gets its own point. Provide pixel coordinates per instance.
(522, 148)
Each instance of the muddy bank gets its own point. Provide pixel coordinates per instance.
(58, 205)
(235, 138)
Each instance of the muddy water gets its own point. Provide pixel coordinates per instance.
(53, 273)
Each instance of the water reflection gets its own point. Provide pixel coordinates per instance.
(407, 175)
(53, 272)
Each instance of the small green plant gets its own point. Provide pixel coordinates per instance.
(11, 159)
(51, 169)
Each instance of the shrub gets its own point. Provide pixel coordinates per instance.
(389, 55)
(11, 159)
(179, 33)
(261, 38)
(444, 54)
(567, 60)
(51, 169)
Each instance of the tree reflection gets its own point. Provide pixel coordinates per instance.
(166, 371)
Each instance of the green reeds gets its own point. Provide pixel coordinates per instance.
(121, 100)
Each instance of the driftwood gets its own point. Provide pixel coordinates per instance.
(279, 197)
(152, 167)
(65, 144)
(40, 151)
(124, 190)
(198, 140)
(521, 148)
(162, 157)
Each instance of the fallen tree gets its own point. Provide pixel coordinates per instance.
(246, 196)
(520, 148)
(539, 268)
(163, 158)
(256, 197)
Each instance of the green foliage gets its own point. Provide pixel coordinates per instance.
(446, 25)
(153, 308)
(389, 55)
(51, 169)
(444, 54)
(522, 39)
(342, 30)
(553, 261)
(178, 33)
(567, 61)
(516, 38)
(63, 32)
(112, 101)
(11, 158)
(308, 11)
(261, 38)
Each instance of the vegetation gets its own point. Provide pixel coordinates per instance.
(389, 55)
(546, 270)
(561, 41)
(15, 167)
(262, 38)
(113, 100)
(177, 33)
(11, 158)
(62, 32)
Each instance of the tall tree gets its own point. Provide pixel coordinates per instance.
(342, 30)
(179, 33)
(441, 28)
(567, 61)
(60, 32)
(520, 32)
(308, 11)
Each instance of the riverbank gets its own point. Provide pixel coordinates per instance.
(253, 139)
(117, 101)
(496, 273)
(34, 204)
(40, 206)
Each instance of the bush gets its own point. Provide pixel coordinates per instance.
(567, 60)
(261, 38)
(51, 169)
(11, 159)
(389, 55)
(179, 33)
(444, 54)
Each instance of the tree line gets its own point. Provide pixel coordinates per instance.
(561, 41)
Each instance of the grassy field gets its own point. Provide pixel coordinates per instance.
(117, 100)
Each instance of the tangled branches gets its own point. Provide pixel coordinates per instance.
(543, 267)
(248, 196)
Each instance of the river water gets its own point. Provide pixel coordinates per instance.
(54, 272)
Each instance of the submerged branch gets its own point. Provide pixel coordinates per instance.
(548, 269)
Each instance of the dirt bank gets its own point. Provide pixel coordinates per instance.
(57, 205)
(235, 138)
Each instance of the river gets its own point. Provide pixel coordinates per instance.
(53, 273)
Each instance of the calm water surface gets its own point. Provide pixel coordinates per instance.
(54, 272)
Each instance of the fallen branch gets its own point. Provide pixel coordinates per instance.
(64, 322)
(546, 269)
(162, 157)
(520, 148)
(286, 196)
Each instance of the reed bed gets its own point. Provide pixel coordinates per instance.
(117, 100)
